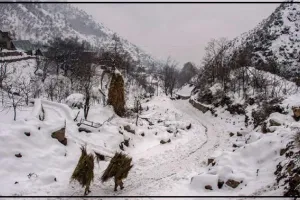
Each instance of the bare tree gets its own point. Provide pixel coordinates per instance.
(3, 73)
(50, 87)
(186, 73)
(214, 61)
(15, 97)
(26, 89)
(65, 54)
(43, 66)
(85, 74)
(36, 86)
(169, 76)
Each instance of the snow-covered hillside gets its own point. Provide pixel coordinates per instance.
(40, 22)
(228, 137)
(276, 37)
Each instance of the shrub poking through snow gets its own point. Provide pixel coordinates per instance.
(75, 100)
(42, 114)
(296, 111)
(19, 155)
(119, 167)
(125, 142)
(297, 139)
(116, 94)
(236, 109)
(189, 126)
(129, 129)
(259, 116)
(84, 171)
(164, 142)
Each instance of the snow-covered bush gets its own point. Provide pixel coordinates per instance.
(75, 100)
(57, 87)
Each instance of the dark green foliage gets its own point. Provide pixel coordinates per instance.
(118, 167)
(84, 171)
(205, 96)
(236, 109)
(116, 94)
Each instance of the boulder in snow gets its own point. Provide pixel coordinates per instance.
(273, 122)
(27, 134)
(220, 184)
(129, 129)
(296, 111)
(203, 180)
(164, 142)
(19, 155)
(208, 187)
(232, 183)
(80, 129)
(60, 136)
(211, 160)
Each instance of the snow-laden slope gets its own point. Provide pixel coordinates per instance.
(40, 22)
(175, 168)
(276, 37)
(54, 162)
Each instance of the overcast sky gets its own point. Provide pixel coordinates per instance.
(178, 30)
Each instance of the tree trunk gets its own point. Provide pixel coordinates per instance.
(15, 112)
(86, 107)
(27, 99)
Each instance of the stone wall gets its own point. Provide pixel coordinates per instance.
(199, 106)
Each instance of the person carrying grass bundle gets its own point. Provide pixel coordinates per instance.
(118, 168)
(84, 171)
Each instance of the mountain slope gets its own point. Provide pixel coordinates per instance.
(275, 38)
(40, 22)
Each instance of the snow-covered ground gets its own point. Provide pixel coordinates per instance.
(185, 91)
(175, 168)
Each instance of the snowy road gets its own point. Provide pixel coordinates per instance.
(158, 169)
(157, 175)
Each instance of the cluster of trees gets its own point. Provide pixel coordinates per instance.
(234, 73)
(15, 90)
(173, 78)
(72, 66)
